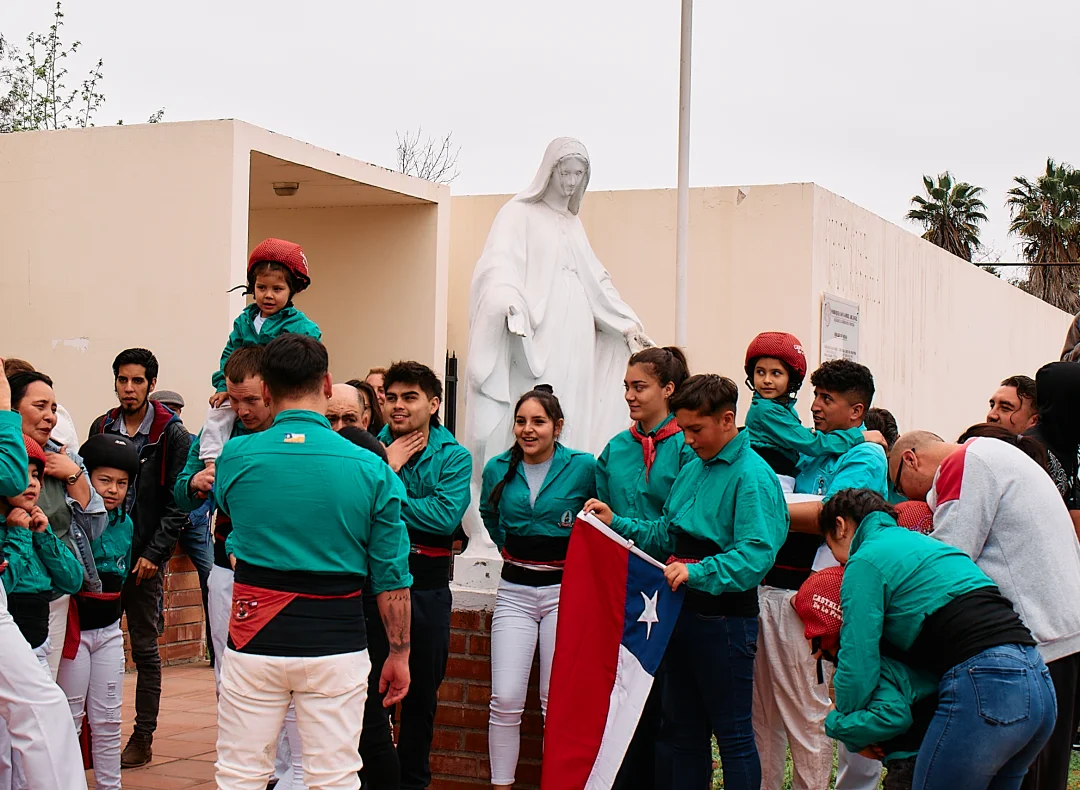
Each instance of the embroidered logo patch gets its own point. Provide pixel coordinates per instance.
(295, 438)
(567, 520)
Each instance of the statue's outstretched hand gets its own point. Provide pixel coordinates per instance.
(515, 321)
(638, 341)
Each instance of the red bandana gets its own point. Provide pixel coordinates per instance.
(650, 440)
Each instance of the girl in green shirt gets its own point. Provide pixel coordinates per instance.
(529, 499)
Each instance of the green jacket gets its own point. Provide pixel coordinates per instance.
(39, 562)
(775, 425)
(437, 483)
(569, 484)
(620, 474)
(182, 494)
(112, 551)
(288, 319)
(894, 579)
(733, 500)
(303, 499)
(888, 713)
(13, 460)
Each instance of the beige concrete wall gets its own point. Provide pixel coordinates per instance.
(115, 237)
(937, 333)
(374, 289)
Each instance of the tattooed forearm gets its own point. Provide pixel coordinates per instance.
(395, 609)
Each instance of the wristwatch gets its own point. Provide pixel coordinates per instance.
(73, 479)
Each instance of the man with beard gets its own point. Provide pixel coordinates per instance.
(162, 442)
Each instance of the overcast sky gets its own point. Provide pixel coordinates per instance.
(860, 99)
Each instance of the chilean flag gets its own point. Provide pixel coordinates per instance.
(616, 614)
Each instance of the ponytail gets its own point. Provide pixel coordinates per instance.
(668, 364)
(543, 394)
(1027, 445)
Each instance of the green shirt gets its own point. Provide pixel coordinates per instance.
(620, 474)
(775, 425)
(38, 562)
(436, 483)
(13, 461)
(182, 494)
(112, 551)
(733, 500)
(288, 319)
(888, 713)
(894, 579)
(568, 485)
(301, 498)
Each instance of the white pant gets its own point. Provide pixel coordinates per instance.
(329, 693)
(287, 765)
(789, 704)
(37, 718)
(58, 614)
(855, 772)
(94, 684)
(216, 431)
(522, 614)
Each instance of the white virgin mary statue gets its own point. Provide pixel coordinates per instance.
(543, 310)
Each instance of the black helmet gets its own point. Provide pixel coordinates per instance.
(112, 450)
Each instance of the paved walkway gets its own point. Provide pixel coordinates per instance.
(184, 751)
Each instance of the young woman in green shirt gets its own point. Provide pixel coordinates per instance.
(530, 497)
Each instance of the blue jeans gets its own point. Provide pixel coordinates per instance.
(709, 690)
(198, 544)
(995, 712)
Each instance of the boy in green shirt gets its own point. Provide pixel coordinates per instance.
(721, 528)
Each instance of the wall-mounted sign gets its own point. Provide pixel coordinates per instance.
(839, 328)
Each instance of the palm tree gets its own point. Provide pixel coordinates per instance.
(950, 214)
(1046, 216)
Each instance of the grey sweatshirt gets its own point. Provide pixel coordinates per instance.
(993, 502)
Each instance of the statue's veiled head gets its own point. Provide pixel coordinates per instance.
(564, 172)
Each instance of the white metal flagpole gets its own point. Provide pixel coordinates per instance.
(682, 215)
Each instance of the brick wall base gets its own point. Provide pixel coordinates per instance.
(459, 751)
(184, 639)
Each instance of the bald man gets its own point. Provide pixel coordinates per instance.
(347, 409)
(999, 506)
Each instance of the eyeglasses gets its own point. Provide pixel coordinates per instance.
(896, 481)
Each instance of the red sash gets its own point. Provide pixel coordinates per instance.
(73, 633)
(254, 607)
(430, 551)
(650, 440)
(536, 565)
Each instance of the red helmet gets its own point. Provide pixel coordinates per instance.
(35, 453)
(915, 516)
(818, 605)
(288, 254)
(779, 345)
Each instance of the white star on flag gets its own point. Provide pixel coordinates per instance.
(649, 615)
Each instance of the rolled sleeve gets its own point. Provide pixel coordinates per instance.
(388, 543)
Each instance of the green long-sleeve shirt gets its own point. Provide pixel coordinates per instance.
(775, 425)
(888, 714)
(620, 474)
(288, 319)
(733, 500)
(436, 483)
(894, 579)
(39, 562)
(570, 482)
(182, 494)
(112, 550)
(13, 460)
(301, 498)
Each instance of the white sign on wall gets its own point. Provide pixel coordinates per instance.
(839, 328)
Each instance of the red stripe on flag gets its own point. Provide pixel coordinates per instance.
(592, 608)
